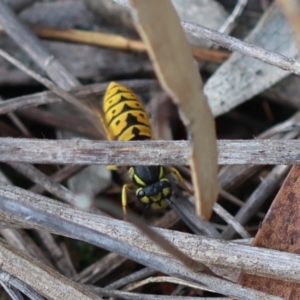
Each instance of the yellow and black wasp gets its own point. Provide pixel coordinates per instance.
(126, 120)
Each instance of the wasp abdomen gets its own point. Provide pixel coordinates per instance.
(125, 114)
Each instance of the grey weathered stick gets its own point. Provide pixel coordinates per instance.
(18, 123)
(61, 192)
(15, 236)
(26, 274)
(183, 208)
(59, 176)
(82, 152)
(55, 89)
(33, 173)
(66, 262)
(111, 261)
(38, 177)
(77, 123)
(30, 43)
(100, 269)
(291, 124)
(20, 285)
(23, 242)
(226, 216)
(257, 198)
(91, 230)
(19, 5)
(98, 89)
(237, 201)
(12, 292)
(55, 252)
(230, 176)
(233, 44)
(230, 85)
(54, 216)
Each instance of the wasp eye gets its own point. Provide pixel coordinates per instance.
(140, 193)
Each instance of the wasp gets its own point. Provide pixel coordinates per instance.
(126, 120)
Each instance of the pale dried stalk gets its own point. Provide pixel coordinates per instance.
(19, 238)
(137, 296)
(138, 284)
(85, 152)
(117, 42)
(185, 88)
(89, 37)
(138, 275)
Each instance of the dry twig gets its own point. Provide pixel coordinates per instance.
(233, 44)
(235, 14)
(84, 152)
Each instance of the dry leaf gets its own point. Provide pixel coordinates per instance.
(178, 75)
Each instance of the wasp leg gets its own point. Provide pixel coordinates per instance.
(124, 198)
(180, 179)
(112, 168)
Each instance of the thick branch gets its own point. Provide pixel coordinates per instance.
(125, 239)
